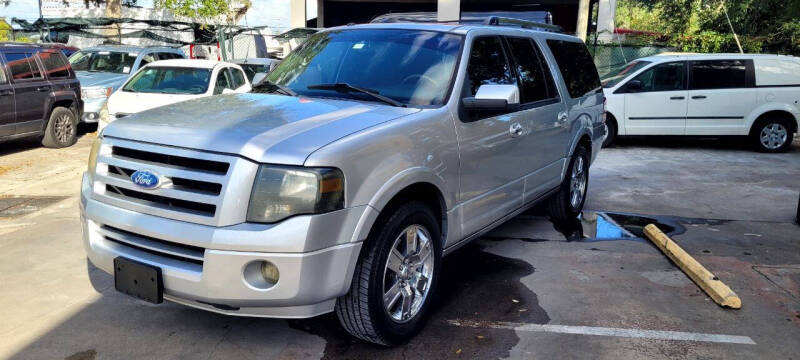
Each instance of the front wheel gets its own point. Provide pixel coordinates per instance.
(395, 278)
(772, 136)
(568, 201)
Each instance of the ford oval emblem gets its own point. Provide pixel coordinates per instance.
(145, 179)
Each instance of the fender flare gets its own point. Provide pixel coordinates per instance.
(765, 108)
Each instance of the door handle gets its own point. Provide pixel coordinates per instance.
(515, 129)
(677, 98)
(699, 97)
(42, 88)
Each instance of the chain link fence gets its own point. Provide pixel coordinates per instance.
(613, 56)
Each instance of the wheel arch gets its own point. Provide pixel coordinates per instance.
(772, 110)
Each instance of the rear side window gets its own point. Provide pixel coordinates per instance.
(487, 64)
(719, 74)
(55, 65)
(535, 80)
(23, 65)
(576, 66)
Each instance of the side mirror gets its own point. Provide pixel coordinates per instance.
(493, 100)
(634, 86)
(228, 91)
(258, 78)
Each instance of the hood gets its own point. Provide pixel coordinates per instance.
(101, 79)
(266, 128)
(133, 102)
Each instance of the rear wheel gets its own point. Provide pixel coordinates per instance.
(568, 201)
(772, 135)
(611, 130)
(61, 130)
(395, 278)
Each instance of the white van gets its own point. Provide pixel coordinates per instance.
(709, 94)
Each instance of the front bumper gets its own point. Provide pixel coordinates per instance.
(92, 108)
(309, 284)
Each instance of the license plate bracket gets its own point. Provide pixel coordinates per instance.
(139, 280)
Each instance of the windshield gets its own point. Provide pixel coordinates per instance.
(169, 80)
(103, 61)
(615, 77)
(408, 66)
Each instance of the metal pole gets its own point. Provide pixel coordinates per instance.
(736, 37)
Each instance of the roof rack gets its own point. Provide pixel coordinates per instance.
(482, 18)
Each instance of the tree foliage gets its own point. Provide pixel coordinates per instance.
(701, 25)
(230, 10)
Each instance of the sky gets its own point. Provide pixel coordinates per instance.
(274, 13)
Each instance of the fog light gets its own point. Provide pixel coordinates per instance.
(270, 272)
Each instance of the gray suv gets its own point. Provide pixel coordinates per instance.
(342, 180)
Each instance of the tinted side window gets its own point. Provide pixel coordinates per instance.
(535, 84)
(664, 77)
(54, 64)
(576, 66)
(487, 64)
(719, 74)
(23, 66)
(222, 82)
(238, 78)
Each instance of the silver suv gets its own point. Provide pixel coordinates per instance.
(337, 185)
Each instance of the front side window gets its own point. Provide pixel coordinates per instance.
(169, 80)
(719, 74)
(238, 77)
(414, 67)
(615, 77)
(54, 64)
(223, 82)
(576, 66)
(664, 77)
(536, 83)
(103, 61)
(23, 66)
(487, 64)
(251, 70)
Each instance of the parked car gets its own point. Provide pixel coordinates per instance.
(256, 66)
(711, 94)
(340, 181)
(39, 95)
(171, 81)
(103, 69)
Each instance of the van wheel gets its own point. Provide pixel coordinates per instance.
(568, 201)
(772, 135)
(611, 130)
(395, 278)
(61, 130)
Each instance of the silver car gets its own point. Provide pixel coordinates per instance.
(341, 181)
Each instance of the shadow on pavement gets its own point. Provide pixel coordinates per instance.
(28, 143)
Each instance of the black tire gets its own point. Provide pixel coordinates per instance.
(611, 123)
(767, 128)
(560, 207)
(361, 311)
(61, 130)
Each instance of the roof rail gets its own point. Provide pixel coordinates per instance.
(484, 18)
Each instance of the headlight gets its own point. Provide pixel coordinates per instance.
(93, 154)
(283, 191)
(95, 92)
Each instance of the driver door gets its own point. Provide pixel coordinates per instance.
(493, 158)
(660, 106)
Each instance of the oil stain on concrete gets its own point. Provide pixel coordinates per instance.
(475, 286)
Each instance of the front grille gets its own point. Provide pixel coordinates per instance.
(171, 250)
(191, 183)
(216, 167)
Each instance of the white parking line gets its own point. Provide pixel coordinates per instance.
(605, 331)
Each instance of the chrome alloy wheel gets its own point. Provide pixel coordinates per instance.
(64, 128)
(773, 136)
(577, 185)
(407, 274)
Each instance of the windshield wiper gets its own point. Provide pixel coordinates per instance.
(345, 87)
(269, 86)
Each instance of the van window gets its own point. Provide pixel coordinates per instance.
(23, 66)
(576, 66)
(718, 74)
(777, 72)
(535, 80)
(487, 64)
(664, 77)
(54, 65)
